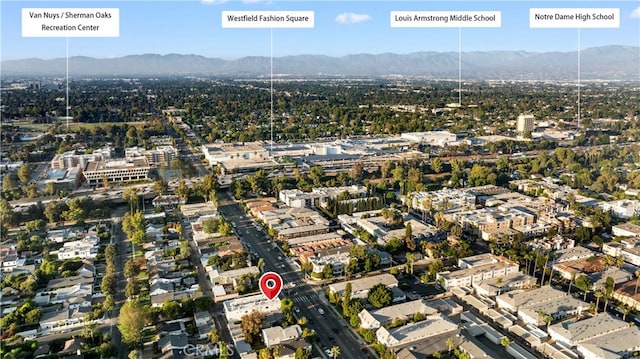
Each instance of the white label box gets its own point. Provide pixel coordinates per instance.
(446, 18)
(574, 18)
(70, 22)
(268, 19)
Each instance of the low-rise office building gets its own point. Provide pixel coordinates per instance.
(234, 309)
(135, 169)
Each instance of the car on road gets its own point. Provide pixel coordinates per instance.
(279, 258)
(296, 309)
(332, 340)
(328, 352)
(321, 311)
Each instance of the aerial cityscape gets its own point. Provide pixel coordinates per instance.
(296, 180)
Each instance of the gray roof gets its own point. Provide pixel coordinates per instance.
(577, 332)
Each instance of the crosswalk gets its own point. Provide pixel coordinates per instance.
(305, 298)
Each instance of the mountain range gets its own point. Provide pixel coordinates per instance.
(614, 62)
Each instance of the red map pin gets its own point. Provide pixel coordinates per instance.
(270, 285)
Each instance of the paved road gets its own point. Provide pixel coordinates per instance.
(123, 247)
(330, 328)
(205, 285)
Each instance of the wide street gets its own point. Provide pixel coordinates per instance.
(331, 330)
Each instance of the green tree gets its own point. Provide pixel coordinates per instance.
(131, 269)
(450, 343)
(251, 325)
(380, 295)
(286, 306)
(327, 271)
(171, 310)
(108, 285)
(505, 342)
(213, 336)
(436, 165)
(160, 187)
(24, 173)
(131, 322)
(182, 190)
(132, 288)
(131, 196)
(109, 304)
(346, 299)
(302, 353)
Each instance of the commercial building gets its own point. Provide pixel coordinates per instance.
(318, 196)
(79, 157)
(234, 309)
(135, 169)
(525, 124)
(159, 157)
(431, 138)
(66, 179)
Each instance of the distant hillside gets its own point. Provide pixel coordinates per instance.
(607, 62)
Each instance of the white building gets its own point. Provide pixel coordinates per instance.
(624, 209)
(360, 287)
(85, 248)
(626, 230)
(276, 335)
(432, 326)
(558, 308)
(496, 267)
(513, 301)
(385, 316)
(234, 309)
(573, 333)
(136, 169)
(498, 285)
(431, 138)
(619, 344)
(525, 124)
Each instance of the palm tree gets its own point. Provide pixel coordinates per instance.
(130, 195)
(450, 343)
(528, 257)
(598, 295)
(625, 310)
(573, 277)
(505, 342)
(335, 351)
(544, 269)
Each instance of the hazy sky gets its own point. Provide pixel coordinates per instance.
(341, 27)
